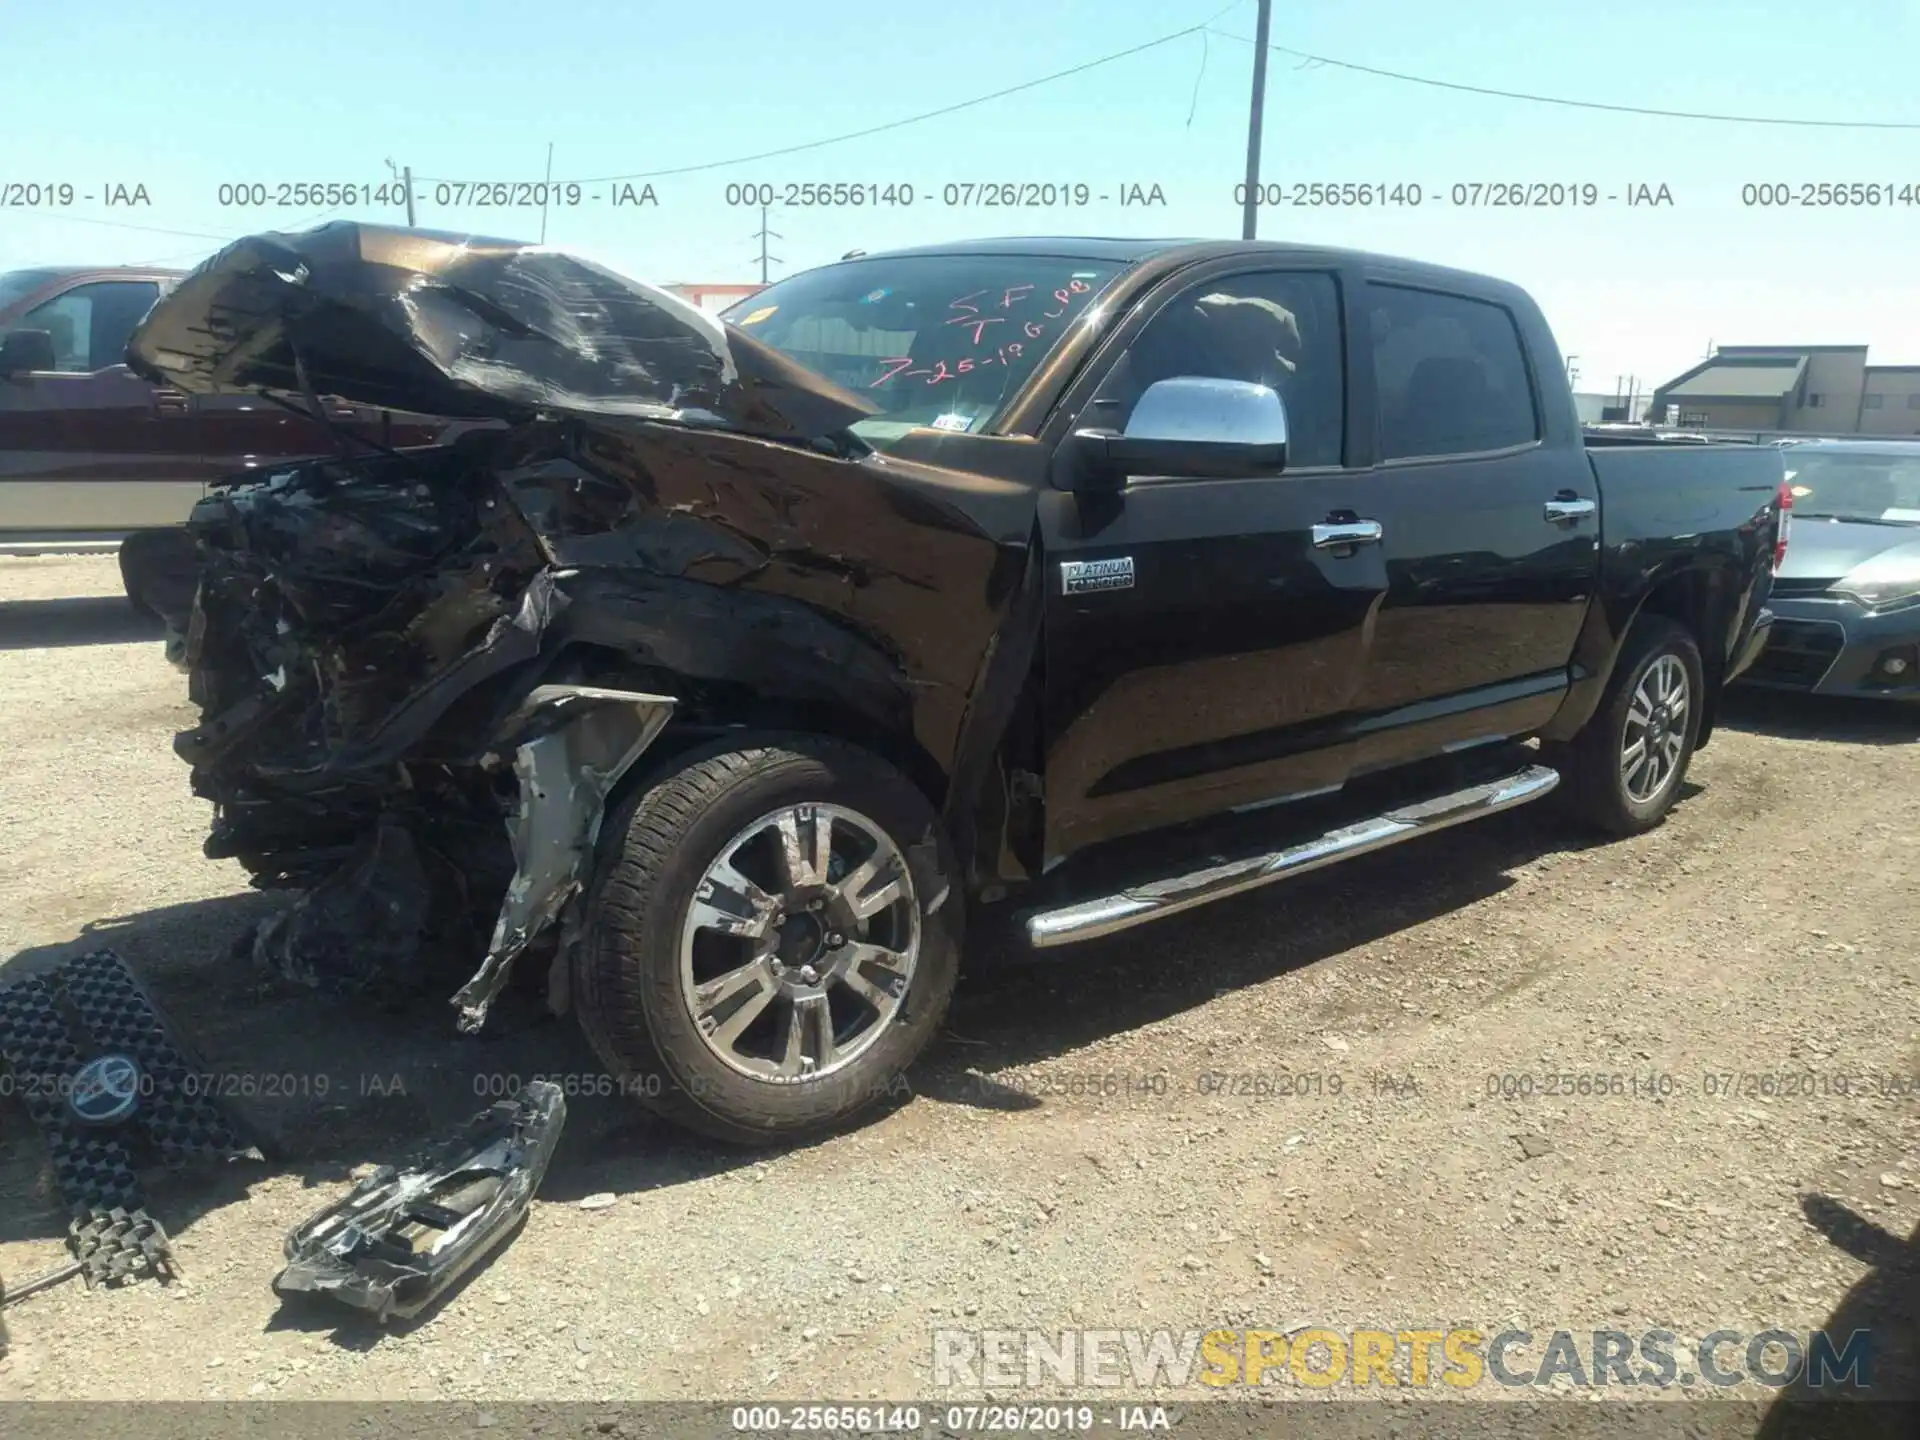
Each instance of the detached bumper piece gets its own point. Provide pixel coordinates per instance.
(101, 1077)
(401, 1237)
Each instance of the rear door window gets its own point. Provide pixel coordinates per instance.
(1450, 372)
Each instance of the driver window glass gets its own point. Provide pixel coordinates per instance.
(1281, 329)
(91, 324)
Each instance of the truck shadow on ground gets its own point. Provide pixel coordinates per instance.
(1016, 1009)
(1884, 1306)
(326, 1084)
(82, 620)
(1847, 720)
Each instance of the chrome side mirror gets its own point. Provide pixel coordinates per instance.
(1193, 426)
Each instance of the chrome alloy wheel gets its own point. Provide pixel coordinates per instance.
(1656, 730)
(800, 943)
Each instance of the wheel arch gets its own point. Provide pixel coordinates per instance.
(1702, 593)
(1701, 598)
(710, 709)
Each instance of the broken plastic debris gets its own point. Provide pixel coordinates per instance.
(401, 1237)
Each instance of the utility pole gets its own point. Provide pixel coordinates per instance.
(763, 235)
(1250, 210)
(404, 176)
(546, 194)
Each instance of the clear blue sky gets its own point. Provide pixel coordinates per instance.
(184, 99)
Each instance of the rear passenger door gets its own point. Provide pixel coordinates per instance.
(1490, 527)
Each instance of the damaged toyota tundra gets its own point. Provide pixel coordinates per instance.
(716, 685)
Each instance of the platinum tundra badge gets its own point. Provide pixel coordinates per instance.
(1079, 576)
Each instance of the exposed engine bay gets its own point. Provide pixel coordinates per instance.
(344, 606)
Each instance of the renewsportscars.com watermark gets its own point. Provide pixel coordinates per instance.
(1463, 1359)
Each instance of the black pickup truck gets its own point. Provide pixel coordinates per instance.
(1071, 582)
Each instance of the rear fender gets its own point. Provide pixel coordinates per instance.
(1704, 593)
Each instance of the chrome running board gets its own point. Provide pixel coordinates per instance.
(1138, 904)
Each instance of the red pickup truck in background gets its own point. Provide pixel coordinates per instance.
(91, 453)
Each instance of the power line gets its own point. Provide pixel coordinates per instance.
(1455, 85)
(906, 120)
(59, 217)
(124, 225)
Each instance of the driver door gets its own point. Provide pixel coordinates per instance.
(1206, 638)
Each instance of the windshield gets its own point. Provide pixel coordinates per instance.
(1881, 487)
(16, 284)
(933, 340)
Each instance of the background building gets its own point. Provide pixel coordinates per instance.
(713, 298)
(1793, 390)
(1598, 407)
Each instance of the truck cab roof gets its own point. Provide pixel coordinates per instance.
(68, 272)
(22, 289)
(1176, 252)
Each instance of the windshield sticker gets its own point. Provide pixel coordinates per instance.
(757, 316)
(940, 371)
(1036, 313)
(874, 297)
(952, 421)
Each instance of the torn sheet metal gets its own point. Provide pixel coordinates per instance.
(465, 326)
(401, 1237)
(572, 745)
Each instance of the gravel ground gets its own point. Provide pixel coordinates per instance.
(1063, 1161)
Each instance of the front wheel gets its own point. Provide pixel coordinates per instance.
(772, 940)
(1623, 771)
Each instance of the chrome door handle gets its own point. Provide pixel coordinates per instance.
(1569, 512)
(1350, 532)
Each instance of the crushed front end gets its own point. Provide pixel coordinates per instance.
(423, 675)
(357, 653)
(384, 724)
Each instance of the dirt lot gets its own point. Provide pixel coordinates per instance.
(1065, 1161)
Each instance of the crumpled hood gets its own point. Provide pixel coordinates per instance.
(467, 327)
(1824, 549)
